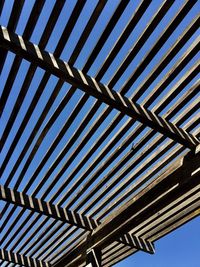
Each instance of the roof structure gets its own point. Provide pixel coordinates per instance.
(100, 136)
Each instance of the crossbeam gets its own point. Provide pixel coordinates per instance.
(89, 85)
(184, 219)
(45, 208)
(137, 242)
(68, 216)
(180, 177)
(21, 259)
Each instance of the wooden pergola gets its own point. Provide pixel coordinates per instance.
(100, 156)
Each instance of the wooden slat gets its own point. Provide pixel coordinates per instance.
(175, 180)
(151, 26)
(125, 34)
(108, 130)
(12, 225)
(193, 214)
(54, 211)
(178, 220)
(118, 12)
(21, 259)
(170, 212)
(12, 24)
(137, 242)
(22, 225)
(175, 215)
(61, 252)
(176, 89)
(180, 216)
(105, 34)
(77, 9)
(65, 36)
(115, 170)
(187, 214)
(175, 209)
(92, 87)
(167, 32)
(32, 68)
(34, 16)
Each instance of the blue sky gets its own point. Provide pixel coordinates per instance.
(165, 255)
(180, 248)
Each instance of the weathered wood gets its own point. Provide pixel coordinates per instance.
(160, 166)
(96, 188)
(181, 215)
(182, 175)
(167, 32)
(50, 210)
(119, 175)
(138, 171)
(12, 24)
(172, 223)
(32, 69)
(135, 241)
(88, 84)
(184, 37)
(37, 8)
(186, 218)
(175, 90)
(141, 40)
(93, 258)
(21, 259)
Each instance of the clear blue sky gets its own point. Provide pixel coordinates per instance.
(182, 247)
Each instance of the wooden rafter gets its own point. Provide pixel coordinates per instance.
(45, 208)
(73, 198)
(179, 178)
(77, 78)
(21, 259)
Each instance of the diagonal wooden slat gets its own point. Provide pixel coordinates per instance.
(21, 259)
(12, 24)
(137, 242)
(185, 216)
(172, 183)
(61, 69)
(73, 218)
(1, 6)
(45, 208)
(34, 16)
(166, 202)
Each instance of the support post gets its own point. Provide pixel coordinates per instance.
(93, 258)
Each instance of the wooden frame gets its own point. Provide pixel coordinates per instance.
(128, 172)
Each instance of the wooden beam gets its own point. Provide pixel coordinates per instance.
(183, 175)
(1, 6)
(45, 208)
(77, 78)
(63, 214)
(113, 253)
(178, 223)
(20, 259)
(12, 24)
(137, 242)
(93, 258)
(71, 217)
